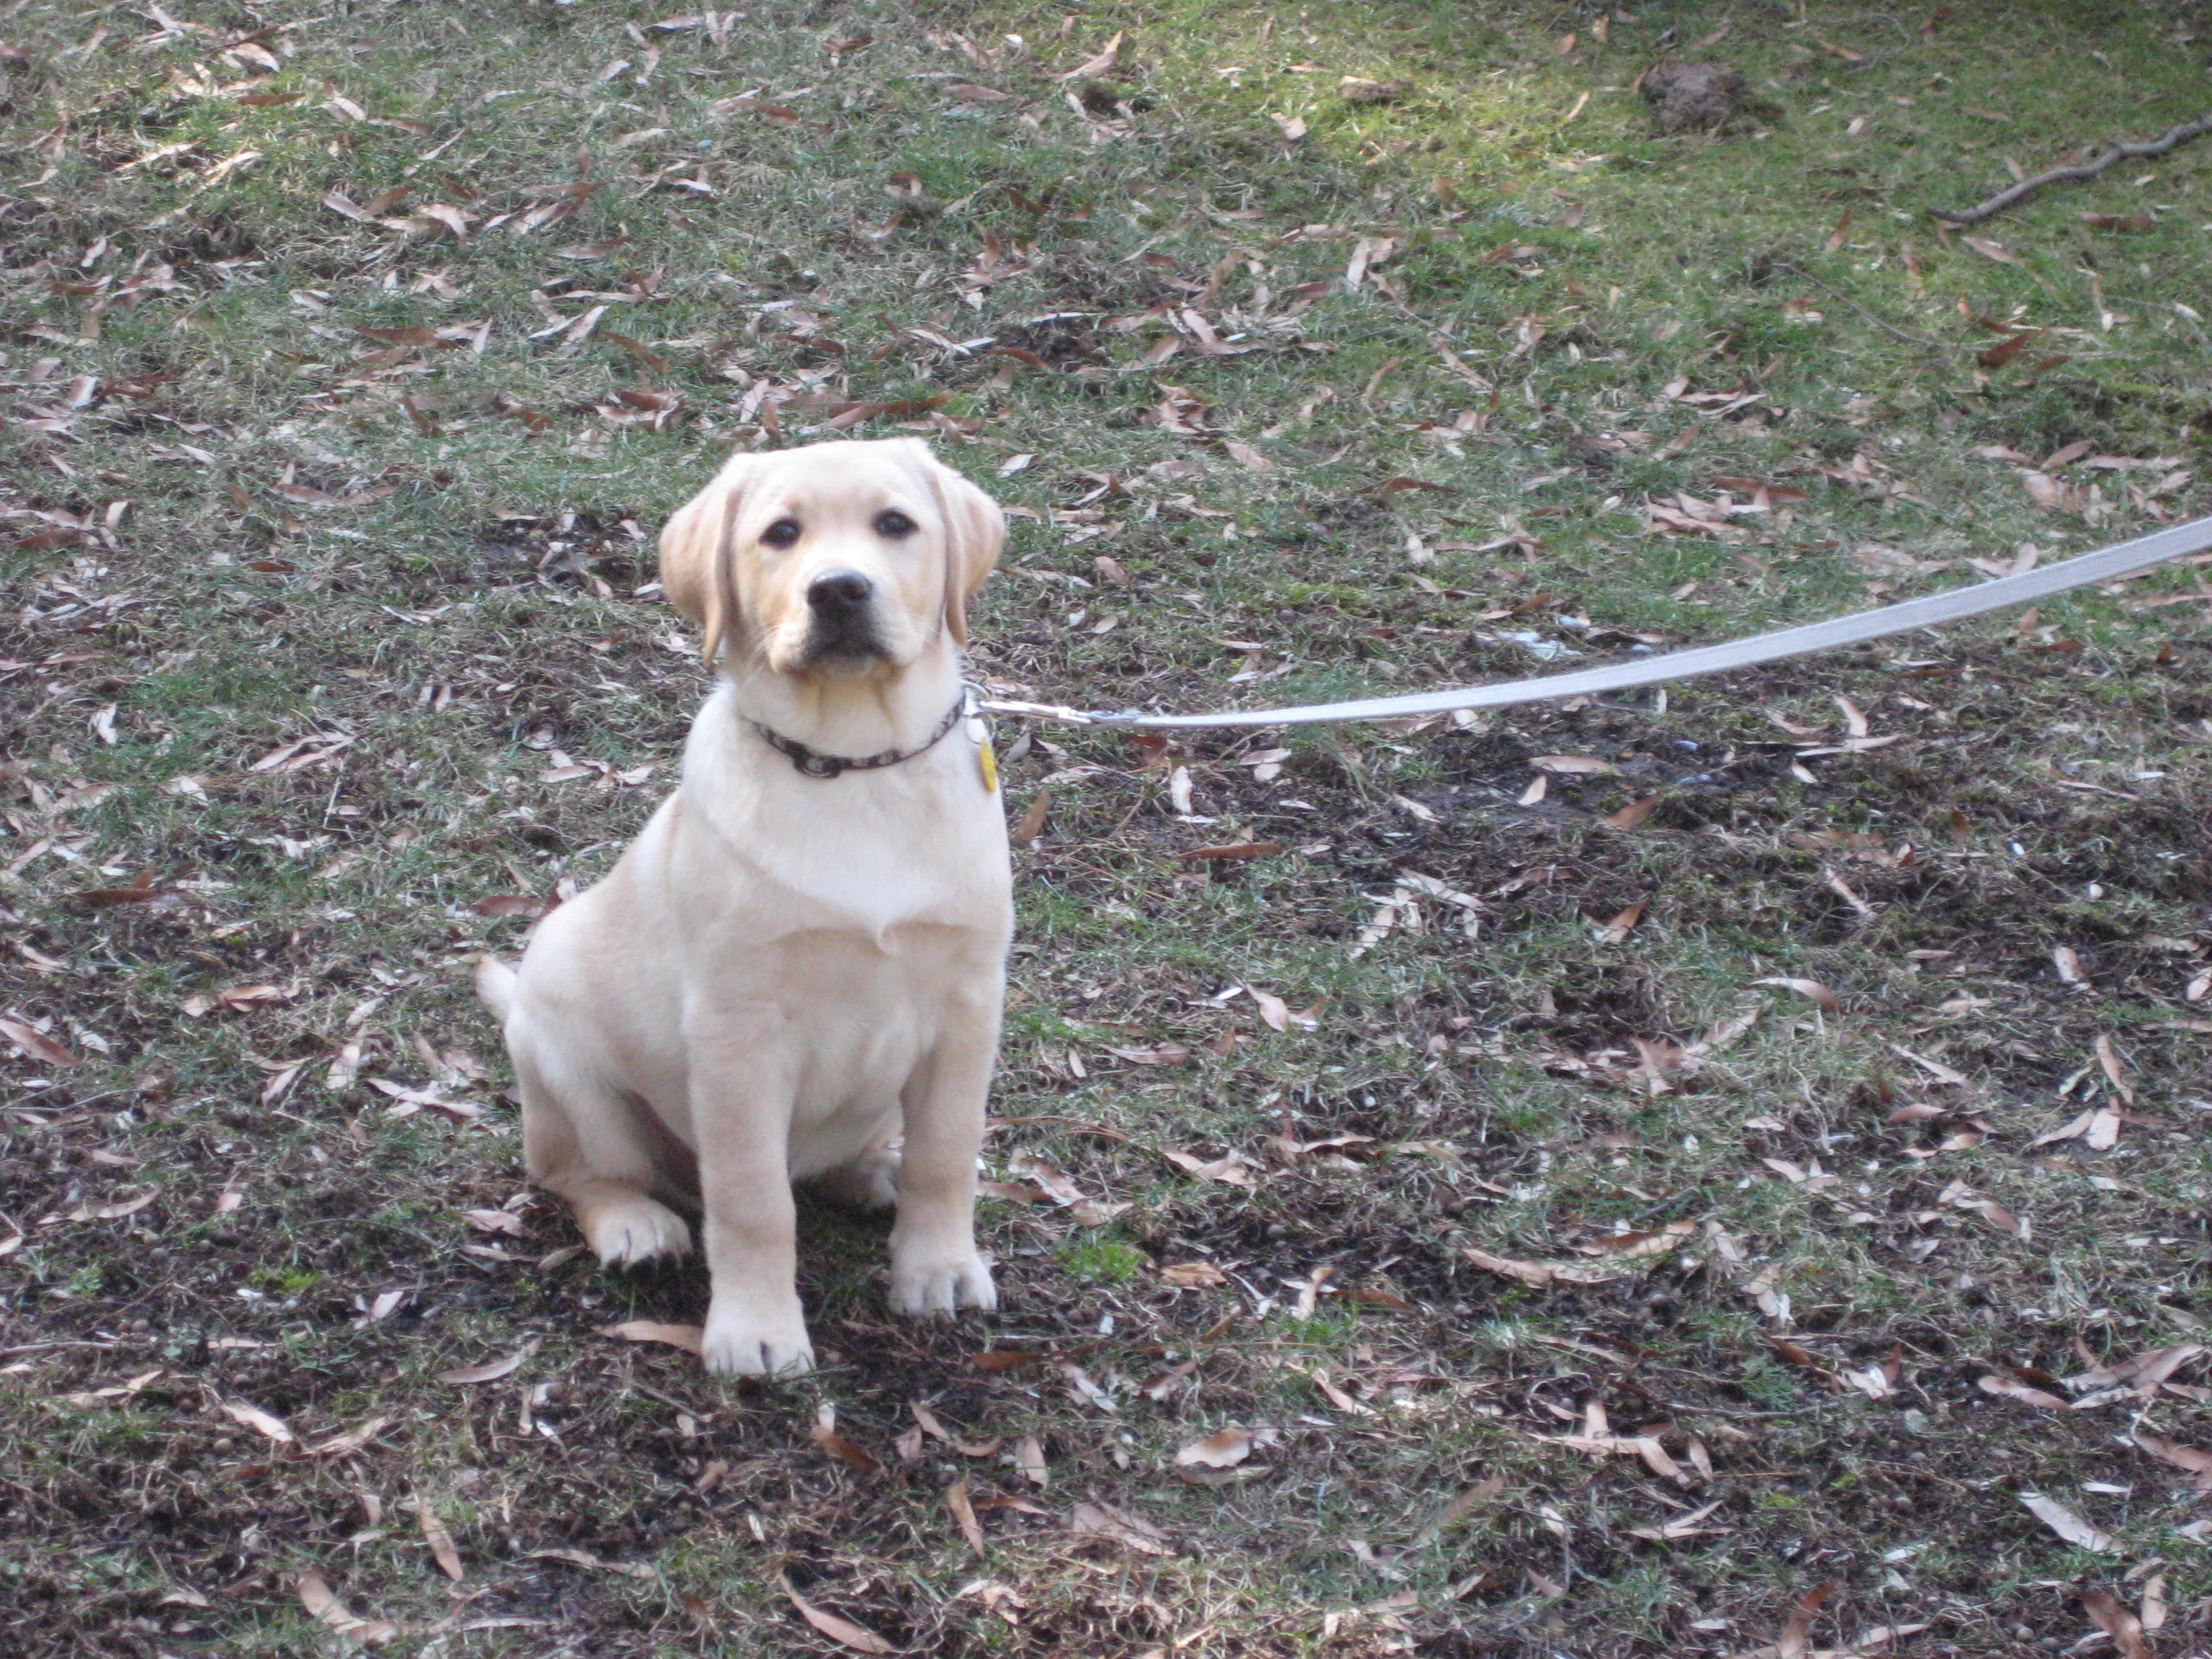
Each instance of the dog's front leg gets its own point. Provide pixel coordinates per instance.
(934, 1265)
(743, 1119)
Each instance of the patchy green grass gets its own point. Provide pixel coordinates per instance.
(353, 356)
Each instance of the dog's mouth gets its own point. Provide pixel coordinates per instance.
(846, 646)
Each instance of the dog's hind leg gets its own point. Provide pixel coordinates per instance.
(869, 1182)
(607, 1157)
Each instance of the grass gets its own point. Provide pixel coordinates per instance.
(235, 522)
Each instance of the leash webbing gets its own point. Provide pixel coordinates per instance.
(2106, 564)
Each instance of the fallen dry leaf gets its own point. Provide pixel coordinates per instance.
(1808, 988)
(1033, 820)
(1028, 1457)
(1216, 1451)
(1797, 1631)
(1230, 1168)
(1575, 765)
(1617, 930)
(411, 1099)
(2108, 1061)
(1094, 1520)
(1999, 1218)
(324, 1607)
(842, 1631)
(1798, 1354)
(1596, 1438)
(491, 1370)
(689, 1338)
(2006, 349)
(451, 217)
(824, 1435)
(261, 1422)
(1545, 1275)
(441, 1541)
(2145, 1371)
(2077, 1127)
(1843, 889)
(1004, 1359)
(511, 904)
(1166, 1054)
(2117, 1622)
(1193, 1275)
(118, 1209)
(352, 1441)
(1934, 1068)
(1337, 1397)
(1630, 1245)
(1108, 55)
(39, 1046)
(584, 1558)
(964, 1513)
(2027, 1393)
(2198, 1463)
(1241, 850)
(1682, 1526)
(2067, 1524)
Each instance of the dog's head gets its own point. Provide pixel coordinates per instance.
(839, 559)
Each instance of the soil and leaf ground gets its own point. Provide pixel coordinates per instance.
(1721, 1170)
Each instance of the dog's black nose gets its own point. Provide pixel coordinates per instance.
(839, 592)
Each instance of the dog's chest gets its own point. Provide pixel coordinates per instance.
(851, 928)
(873, 857)
(859, 1019)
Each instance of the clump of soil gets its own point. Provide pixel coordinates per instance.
(1695, 97)
(1367, 94)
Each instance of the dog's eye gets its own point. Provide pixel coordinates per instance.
(894, 524)
(782, 533)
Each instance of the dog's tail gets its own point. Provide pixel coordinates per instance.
(495, 984)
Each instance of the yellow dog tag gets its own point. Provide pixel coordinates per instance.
(978, 733)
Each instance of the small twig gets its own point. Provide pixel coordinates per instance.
(2120, 151)
(1888, 328)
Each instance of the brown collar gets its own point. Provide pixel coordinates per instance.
(813, 763)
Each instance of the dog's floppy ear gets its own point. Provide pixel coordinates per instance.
(974, 530)
(695, 554)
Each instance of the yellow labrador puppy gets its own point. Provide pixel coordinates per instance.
(801, 961)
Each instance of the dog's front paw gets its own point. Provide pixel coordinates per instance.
(938, 1285)
(631, 1231)
(749, 1342)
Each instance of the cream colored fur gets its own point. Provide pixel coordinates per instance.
(785, 976)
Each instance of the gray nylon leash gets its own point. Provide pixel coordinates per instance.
(2126, 559)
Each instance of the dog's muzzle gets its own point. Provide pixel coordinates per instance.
(841, 604)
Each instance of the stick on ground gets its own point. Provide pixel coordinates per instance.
(2121, 150)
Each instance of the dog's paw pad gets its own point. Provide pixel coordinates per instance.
(628, 1234)
(942, 1287)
